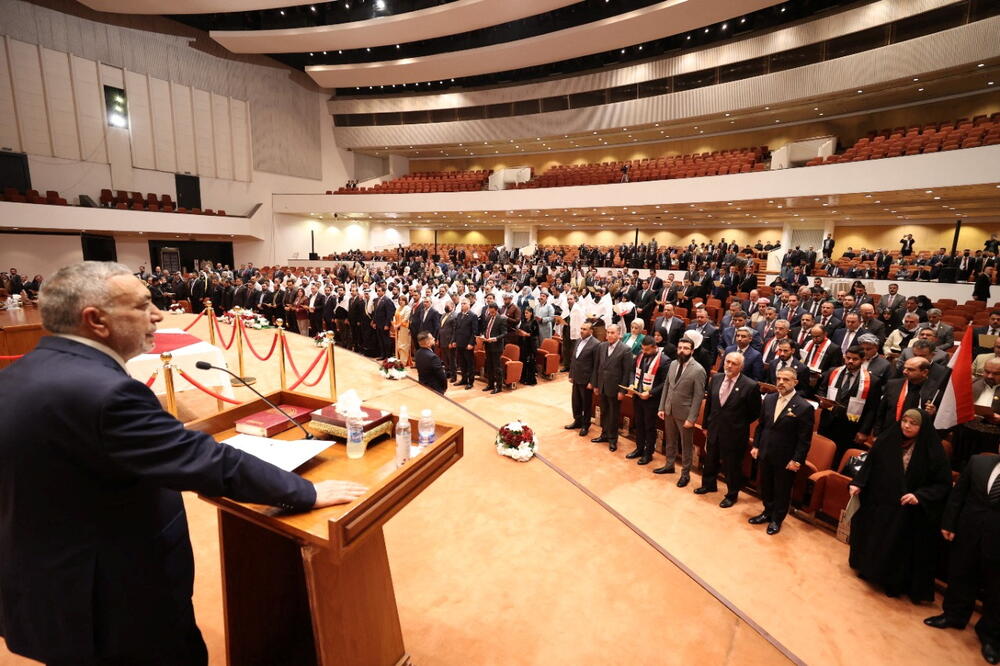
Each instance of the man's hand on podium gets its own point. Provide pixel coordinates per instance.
(329, 493)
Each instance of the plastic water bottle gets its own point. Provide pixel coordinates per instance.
(355, 437)
(403, 438)
(425, 429)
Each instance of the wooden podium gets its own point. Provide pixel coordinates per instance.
(20, 331)
(315, 588)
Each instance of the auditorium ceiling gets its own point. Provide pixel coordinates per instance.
(971, 203)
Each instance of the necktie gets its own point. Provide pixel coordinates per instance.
(727, 386)
(611, 350)
(489, 326)
(995, 491)
(847, 339)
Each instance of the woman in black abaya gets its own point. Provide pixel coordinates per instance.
(903, 486)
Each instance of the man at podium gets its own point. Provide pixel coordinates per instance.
(96, 564)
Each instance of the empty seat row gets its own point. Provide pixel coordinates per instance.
(51, 197)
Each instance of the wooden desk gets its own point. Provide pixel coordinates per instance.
(315, 588)
(20, 331)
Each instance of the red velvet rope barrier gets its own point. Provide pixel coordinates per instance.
(291, 362)
(274, 344)
(207, 390)
(218, 330)
(301, 380)
(149, 382)
(11, 358)
(191, 325)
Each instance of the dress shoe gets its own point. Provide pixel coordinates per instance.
(942, 622)
(990, 653)
(727, 502)
(495, 391)
(572, 426)
(456, 382)
(773, 527)
(666, 469)
(684, 480)
(645, 460)
(612, 446)
(488, 387)
(704, 490)
(468, 386)
(598, 440)
(634, 454)
(759, 519)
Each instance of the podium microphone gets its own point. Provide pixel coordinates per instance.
(205, 365)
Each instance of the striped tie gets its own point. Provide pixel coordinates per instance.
(995, 491)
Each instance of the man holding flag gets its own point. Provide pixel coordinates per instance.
(958, 406)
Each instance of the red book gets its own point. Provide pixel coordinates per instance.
(270, 421)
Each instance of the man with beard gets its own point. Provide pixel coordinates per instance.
(679, 406)
(646, 387)
(463, 342)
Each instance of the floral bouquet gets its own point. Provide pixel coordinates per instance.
(392, 368)
(250, 319)
(321, 340)
(176, 308)
(517, 441)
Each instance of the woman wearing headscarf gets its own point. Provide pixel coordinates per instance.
(527, 340)
(903, 485)
(662, 339)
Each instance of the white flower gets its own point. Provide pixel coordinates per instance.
(515, 426)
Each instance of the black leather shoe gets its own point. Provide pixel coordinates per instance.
(727, 502)
(942, 622)
(598, 440)
(495, 391)
(645, 460)
(468, 386)
(990, 653)
(773, 527)
(612, 446)
(572, 426)
(635, 453)
(684, 480)
(583, 432)
(488, 387)
(456, 382)
(704, 490)
(759, 519)
(666, 469)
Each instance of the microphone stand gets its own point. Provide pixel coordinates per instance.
(205, 365)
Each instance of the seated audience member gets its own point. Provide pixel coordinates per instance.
(430, 367)
(945, 332)
(992, 329)
(903, 485)
(979, 363)
(900, 338)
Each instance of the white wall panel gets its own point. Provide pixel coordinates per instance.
(204, 142)
(9, 138)
(88, 94)
(163, 125)
(180, 103)
(140, 122)
(223, 136)
(60, 104)
(29, 97)
(239, 120)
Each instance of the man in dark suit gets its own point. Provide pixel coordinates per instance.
(753, 366)
(971, 523)
(430, 368)
(382, 316)
(356, 316)
(448, 351)
(785, 357)
(328, 314)
(781, 443)
(464, 342)
(581, 371)
(315, 304)
(981, 289)
(828, 244)
(673, 325)
(612, 365)
(991, 329)
(646, 385)
(914, 390)
(426, 318)
(494, 330)
(708, 349)
(110, 580)
(733, 404)
(855, 392)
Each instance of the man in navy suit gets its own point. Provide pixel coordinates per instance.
(464, 342)
(430, 367)
(733, 404)
(385, 309)
(96, 565)
(753, 366)
(780, 447)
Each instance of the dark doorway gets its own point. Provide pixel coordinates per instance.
(99, 248)
(194, 252)
(14, 172)
(188, 191)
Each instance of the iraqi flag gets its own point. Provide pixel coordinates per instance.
(956, 404)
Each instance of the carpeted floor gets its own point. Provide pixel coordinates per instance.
(584, 557)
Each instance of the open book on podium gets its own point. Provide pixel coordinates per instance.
(314, 587)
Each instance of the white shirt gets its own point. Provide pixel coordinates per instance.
(94, 344)
(985, 398)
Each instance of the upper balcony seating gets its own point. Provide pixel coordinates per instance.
(426, 182)
(51, 197)
(917, 140)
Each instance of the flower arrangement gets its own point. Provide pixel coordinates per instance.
(321, 340)
(176, 308)
(250, 319)
(516, 441)
(392, 368)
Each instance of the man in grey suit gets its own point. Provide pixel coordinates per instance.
(679, 406)
(945, 332)
(893, 300)
(612, 369)
(581, 371)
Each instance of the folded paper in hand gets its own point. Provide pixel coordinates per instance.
(286, 454)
